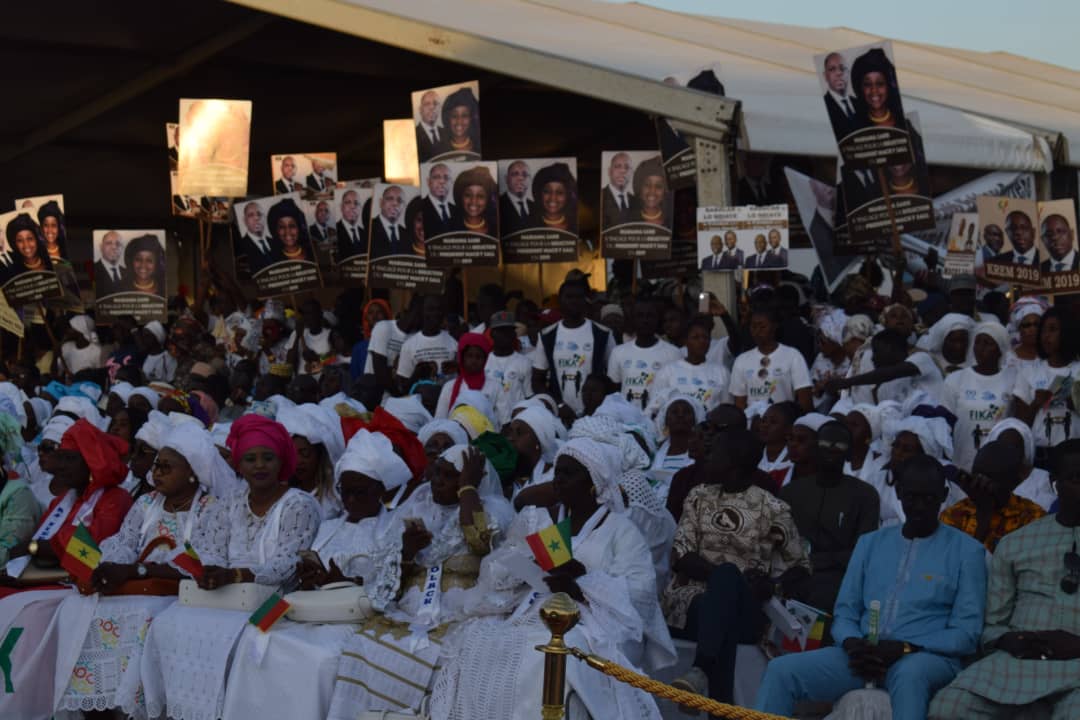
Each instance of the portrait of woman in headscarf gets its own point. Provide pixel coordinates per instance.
(877, 94)
(51, 219)
(414, 225)
(461, 116)
(650, 185)
(475, 193)
(555, 190)
(24, 238)
(288, 228)
(145, 257)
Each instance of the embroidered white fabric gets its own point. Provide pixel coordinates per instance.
(652, 519)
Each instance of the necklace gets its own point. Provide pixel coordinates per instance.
(646, 216)
(145, 288)
(557, 221)
(883, 119)
(906, 186)
(37, 263)
(476, 226)
(181, 507)
(294, 253)
(461, 145)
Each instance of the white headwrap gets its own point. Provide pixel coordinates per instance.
(280, 403)
(122, 390)
(372, 454)
(934, 434)
(997, 332)
(331, 403)
(156, 329)
(17, 397)
(489, 486)
(146, 392)
(197, 447)
(1025, 433)
(475, 399)
(1024, 306)
(608, 430)
(543, 425)
(450, 428)
(316, 425)
(832, 325)
(857, 327)
(84, 325)
(934, 339)
(56, 427)
(814, 420)
(661, 417)
(618, 407)
(877, 415)
(83, 408)
(220, 433)
(42, 410)
(603, 464)
(409, 410)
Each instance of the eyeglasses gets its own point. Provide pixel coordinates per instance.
(162, 467)
(1071, 582)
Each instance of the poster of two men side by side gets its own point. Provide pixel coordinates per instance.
(1028, 243)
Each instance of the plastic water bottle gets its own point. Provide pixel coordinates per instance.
(873, 627)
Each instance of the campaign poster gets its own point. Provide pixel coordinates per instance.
(862, 98)
(748, 237)
(538, 209)
(1060, 268)
(816, 202)
(27, 274)
(677, 155)
(213, 159)
(1018, 262)
(313, 175)
(460, 213)
(215, 209)
(684, 252)
(447, 123)
(275, 239)
(964, 245)
(351, 211)
(396, 249)
(129, 275)
(636, 205)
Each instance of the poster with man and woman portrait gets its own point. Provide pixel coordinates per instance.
(275, 239)
(636, 205)
(396, 252)
(538, 209)
(129, 275)
(350, 209)
(461, 213)
(748, 237)
(27, 273)
(447, 122)
(862, 97)
(1018, 260)
(213, 160)
(313, 175)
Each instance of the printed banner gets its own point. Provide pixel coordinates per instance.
(447, 123)
(213, 159)
(684, 243)
(27, 274)
(636, 206)
(313, 175)
(274, 238)
(964, 245)
(1018, 260)
(1060, 268)
(396, 241)
(816, 202)
(743, 238)
(538, 210)
(129, 275)
(460, 214)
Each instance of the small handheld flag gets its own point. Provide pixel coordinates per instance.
(81, 555)
(269, 612)
(189, 560)
(551, 546)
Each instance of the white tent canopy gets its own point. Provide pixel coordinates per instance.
(607, 50)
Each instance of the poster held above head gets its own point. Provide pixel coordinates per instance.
(313, 175)
(817, 203)
(275, 240)
(1060, 268)
(678, 156)
(637, 207)
(129, 275)
(538, 209)
(352, 211)
(27, 274)
(684, 242)
(742, 238)
(447, 122)
(460, 214)
(396, 241)
(213, 160)
(862, 98)
(964, 246)
(216, 209)
(49, 212)
(1018, 263)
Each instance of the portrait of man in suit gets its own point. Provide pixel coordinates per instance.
(732, 257)
(993, 240)
(776, 257)
(316, 179)
(429, 140)
(620, 205)
(515, 210)
(255, 243)
(712, 260)
(1021, 233)
(320, 230)
(1060, 242)
(440, 214)
(286, 184)
(110, 275)
(352, 236)
(839, 102)
(388, 231)
(759, 260)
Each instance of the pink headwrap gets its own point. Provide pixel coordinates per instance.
(257, 431)
(209, 405)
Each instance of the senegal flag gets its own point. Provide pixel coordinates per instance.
(81, 555)
(269, 612)
(551, 546)
(189, 560)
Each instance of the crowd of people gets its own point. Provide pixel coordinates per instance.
(907, 469)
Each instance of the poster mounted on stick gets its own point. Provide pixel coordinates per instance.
(964, 245)
(313, 175)
(816, 202)
(352, 210)
(636, 206)
(129, 275)
(27, 274)
(756, 234)
(275, 239)
(213, 159)
(684, 242)
(1060, 268)
(216, 209)
(538, 210)
(677, 155)
(862, 98)
(447, 122)
(396, 241)
(1018, 263)
(461, 213)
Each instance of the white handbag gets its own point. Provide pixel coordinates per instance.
(237, 596)
(340, 602)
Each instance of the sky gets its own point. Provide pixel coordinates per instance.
(1039, 29)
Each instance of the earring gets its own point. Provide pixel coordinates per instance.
(593, 490)
(193, 480)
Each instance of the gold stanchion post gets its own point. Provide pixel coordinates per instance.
(560, 614)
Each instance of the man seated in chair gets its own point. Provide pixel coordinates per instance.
(1032, 634)
(930, 580)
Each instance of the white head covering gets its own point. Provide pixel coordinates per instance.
(450, 428)
(857, 327)
(814, 420)
(934, 434)
(409, 410)
(280, 402)
(147, 392)
(608, 430)
(316, 425)
(56, 427)
(1021, 309)
(84, 325)
(156, 329)
(220, 432)
(197, 447)
(475, 399)
(661, 417)
(340, 398)
(832, 325)
(490, 486)
(42, 410)
(543, 425)
(603, 464)
(877, 415)
(934, 339)
(618, 407)
(372, 454)
(84, 408)
(122, 390)
(1025, 433)
(997, 332)
(18, 398)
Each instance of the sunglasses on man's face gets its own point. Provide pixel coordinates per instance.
(1071, 582)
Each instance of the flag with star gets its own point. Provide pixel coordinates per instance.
(81, 555)
(551, 546)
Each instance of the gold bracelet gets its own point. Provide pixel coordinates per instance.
(465, 488)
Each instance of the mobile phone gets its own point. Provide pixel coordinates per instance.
(703, 302)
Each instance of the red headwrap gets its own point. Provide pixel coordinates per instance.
(405, 442)
(101, 452)
(364, 314)
(475, 381)
(257, 431)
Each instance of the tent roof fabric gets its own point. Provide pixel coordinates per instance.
(981, 110)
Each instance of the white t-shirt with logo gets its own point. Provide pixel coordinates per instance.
(707, 383)
(928, 380)
(573, 355)
(421, 348)
(507, 381)
(978, 402)
(386, 339)
(634, 368)
(1054, 423)
(776, 381)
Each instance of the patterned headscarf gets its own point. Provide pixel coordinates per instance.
(603, 464)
